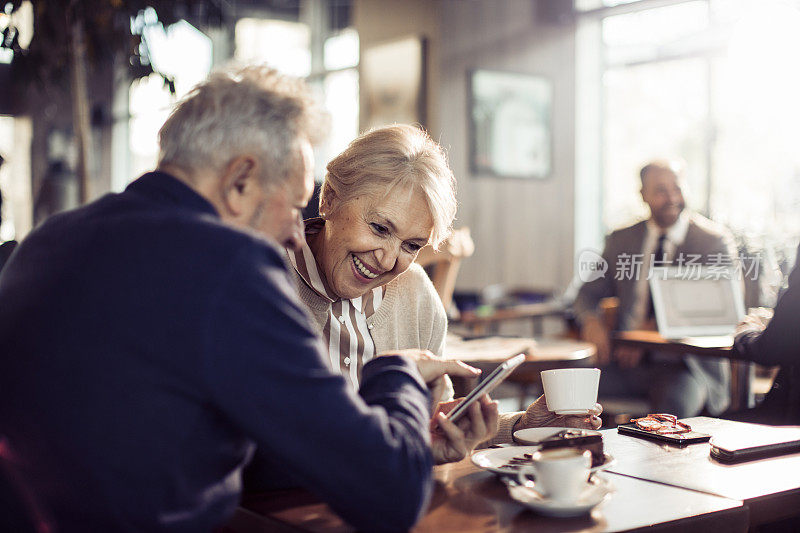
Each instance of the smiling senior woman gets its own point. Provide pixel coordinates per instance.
(386, 196)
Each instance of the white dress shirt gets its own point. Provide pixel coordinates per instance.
(675, 235)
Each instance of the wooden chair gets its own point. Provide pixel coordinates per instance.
(609, 309)
(444, 276)
(618, 409)
(443, 265)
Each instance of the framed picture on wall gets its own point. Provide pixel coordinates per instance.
(510, 124)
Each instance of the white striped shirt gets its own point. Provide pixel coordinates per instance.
(346, 331)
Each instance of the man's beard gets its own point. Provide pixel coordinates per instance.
(257, 217)
(663, 219)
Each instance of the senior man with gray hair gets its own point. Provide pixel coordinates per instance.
(150, 340)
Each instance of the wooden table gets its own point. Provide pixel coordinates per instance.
(658, 486)
(480, 324)
(742, 372)
(487, 353)
(652, 340)
(769, 487)
(468, 499)
(541, 354)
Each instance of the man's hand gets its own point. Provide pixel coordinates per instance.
(537, 415)
(628, 356)
(432, 368)
(594, 331)
(451, 442)
(757, 320)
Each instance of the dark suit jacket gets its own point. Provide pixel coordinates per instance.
(779, 344)
(704, 238)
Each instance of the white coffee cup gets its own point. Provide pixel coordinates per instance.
(560, 474)
(570, 391)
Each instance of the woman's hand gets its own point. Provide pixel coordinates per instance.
(432, 368)
(537, 415)
(451, 442)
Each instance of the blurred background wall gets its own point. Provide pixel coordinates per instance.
(712, 82)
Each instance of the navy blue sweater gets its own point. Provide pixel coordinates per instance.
(146, 348)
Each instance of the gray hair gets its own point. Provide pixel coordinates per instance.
(254, 110)
(384, 158)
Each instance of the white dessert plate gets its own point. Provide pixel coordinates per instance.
(496, 459)
(533, 436)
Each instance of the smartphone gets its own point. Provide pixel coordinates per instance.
(755, 444)
(486, 386)
(680, 439)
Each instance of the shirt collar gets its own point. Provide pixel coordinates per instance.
(305, 264)
(676, 233)
(167, 189)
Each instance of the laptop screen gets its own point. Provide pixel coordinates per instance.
(696, 304)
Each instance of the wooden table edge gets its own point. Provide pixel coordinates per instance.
(652, 340)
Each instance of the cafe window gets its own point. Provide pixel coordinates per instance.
(180, 52)
(328, 62)
(713, 82)
(16, 134)
(314, 42)
(283, 45)
(340, 88)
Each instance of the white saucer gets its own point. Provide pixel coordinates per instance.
(534, 436)
(496, 459)
(593, 494)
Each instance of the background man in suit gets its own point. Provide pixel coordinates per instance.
(685, 385)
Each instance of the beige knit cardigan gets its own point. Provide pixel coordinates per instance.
(411, 315)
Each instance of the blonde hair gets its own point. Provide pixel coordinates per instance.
(385, 158)
(253, 110)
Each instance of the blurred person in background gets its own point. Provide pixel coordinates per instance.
(684, 385)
